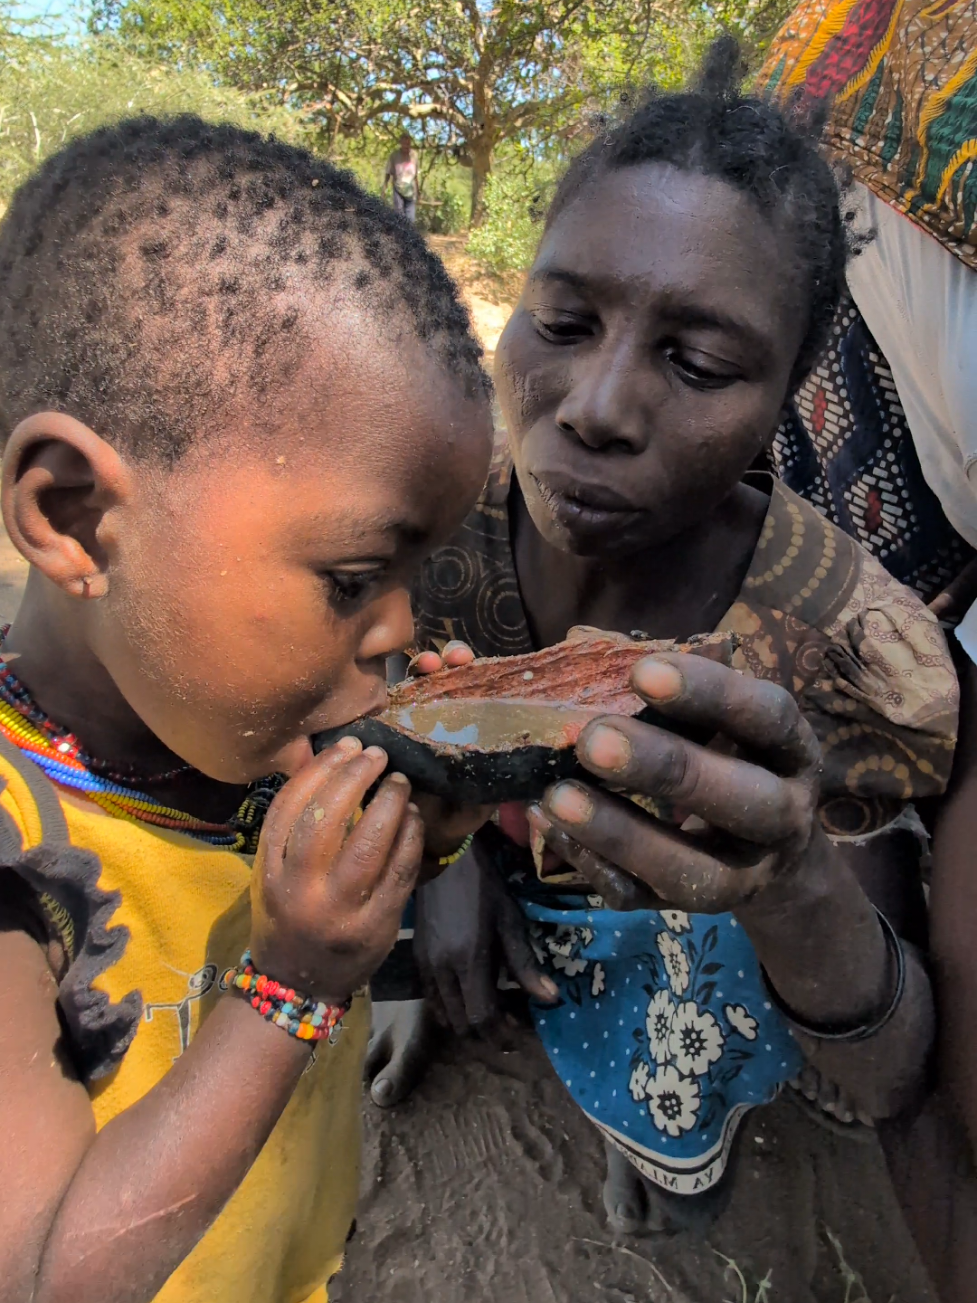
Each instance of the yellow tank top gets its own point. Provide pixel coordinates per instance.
(186, 907)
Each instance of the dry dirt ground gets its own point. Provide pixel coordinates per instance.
(485, 1186)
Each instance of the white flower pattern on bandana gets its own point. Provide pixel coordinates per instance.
(676, 962)
(741, 1020)
(658, 1025)
(638, 1084)
(694, 1041)
(673, 1100)
(690, 1042)
(676, 920)
(564, 946)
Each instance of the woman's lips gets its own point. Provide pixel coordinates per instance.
(580, 508)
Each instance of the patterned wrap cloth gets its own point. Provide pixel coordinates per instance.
(846, 446)
(898, 79)
(665, 1034)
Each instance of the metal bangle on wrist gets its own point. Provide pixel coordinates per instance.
(864, 1031)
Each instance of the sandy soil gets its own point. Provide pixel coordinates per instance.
(485, 1188)
(490, 298)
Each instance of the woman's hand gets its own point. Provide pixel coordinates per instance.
(327, 896)
(749, 823)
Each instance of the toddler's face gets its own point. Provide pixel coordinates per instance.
(257, 588)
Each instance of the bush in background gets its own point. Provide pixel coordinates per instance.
(52, 90)
(515, 203)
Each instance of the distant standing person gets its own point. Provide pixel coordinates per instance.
(402, 172)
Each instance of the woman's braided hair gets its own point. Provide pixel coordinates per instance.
(152, 271)
(716, 131)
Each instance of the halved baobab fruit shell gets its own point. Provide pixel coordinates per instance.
(504, 728)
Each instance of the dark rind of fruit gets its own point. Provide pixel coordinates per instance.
(467, 775)
(472, 777)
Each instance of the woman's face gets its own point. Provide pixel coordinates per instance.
(649, 357)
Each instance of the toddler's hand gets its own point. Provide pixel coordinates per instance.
(327, 897)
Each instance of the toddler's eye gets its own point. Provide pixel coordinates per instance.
(350, 585)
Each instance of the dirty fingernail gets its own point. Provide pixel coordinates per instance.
(657, 679)
(570, 803)
(398, 778)
(607, 748)
(375, 753)
(535, 815)
(349, 745)
(550, 987)
(427, 662)
(382, 1090)
(454, 645)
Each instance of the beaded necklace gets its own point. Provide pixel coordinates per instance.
(60, 755)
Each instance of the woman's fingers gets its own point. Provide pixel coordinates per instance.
(760, 716)
(453, 655)
(743, 799)
(428, 662)
(700, 873)
(618, 889)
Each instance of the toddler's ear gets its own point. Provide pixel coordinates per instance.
(59, 481)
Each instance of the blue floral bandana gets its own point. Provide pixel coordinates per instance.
(665, 1034)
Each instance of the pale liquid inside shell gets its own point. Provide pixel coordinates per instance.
(493, 725)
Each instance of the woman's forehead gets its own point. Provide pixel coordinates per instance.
(641, 221)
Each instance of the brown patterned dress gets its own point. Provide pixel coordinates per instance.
(665, 1034)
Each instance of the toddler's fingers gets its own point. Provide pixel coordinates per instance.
(298, 791)
(358, 870)
(403, 862)
(326, 818)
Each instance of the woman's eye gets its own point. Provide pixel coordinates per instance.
(350, 585)
(696, 371)
(561, 327)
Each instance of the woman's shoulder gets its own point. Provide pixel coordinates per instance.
(866, 660)
(468, 589)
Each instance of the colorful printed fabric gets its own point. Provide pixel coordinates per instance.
(900, 77)
(847, 448)
(665, 1035)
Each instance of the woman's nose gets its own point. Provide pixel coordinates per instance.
(607, 404)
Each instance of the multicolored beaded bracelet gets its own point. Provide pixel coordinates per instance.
(299, 1015)
(455, 856)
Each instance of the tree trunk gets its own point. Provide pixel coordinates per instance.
(480, 150)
